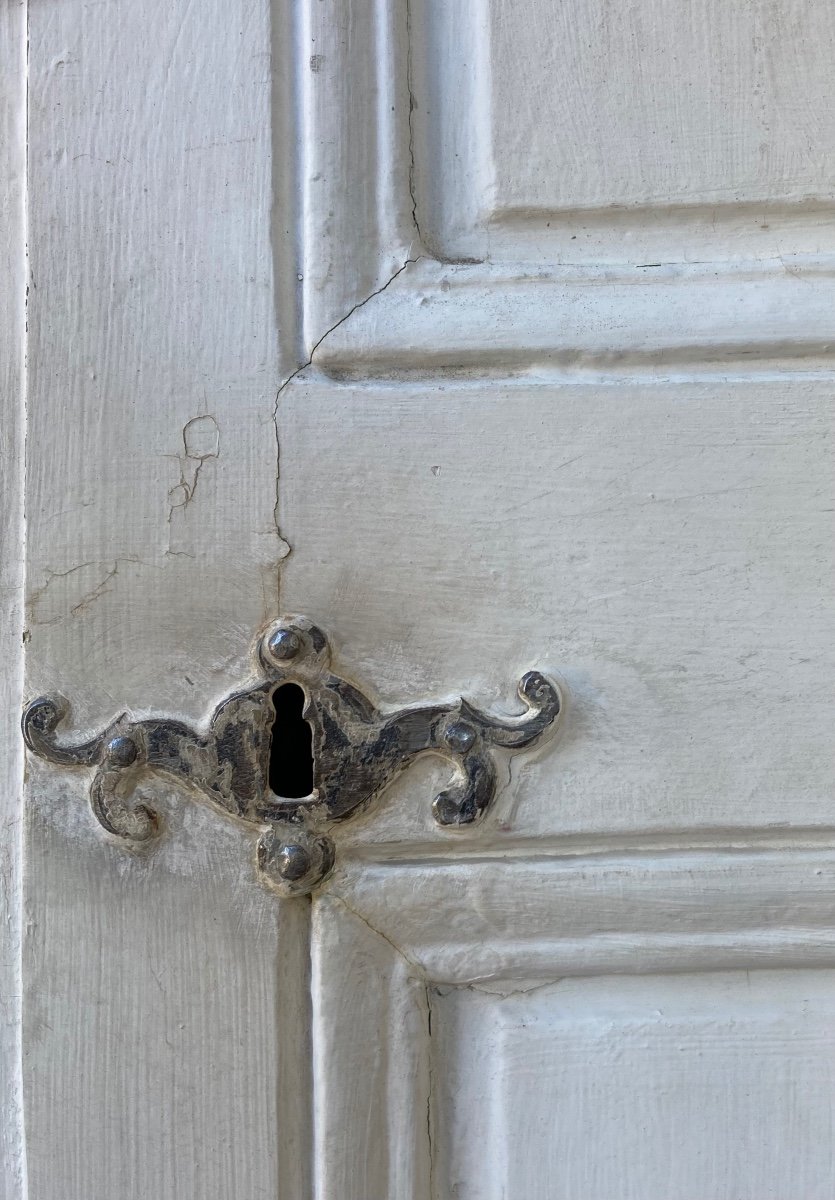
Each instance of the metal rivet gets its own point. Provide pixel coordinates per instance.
(460, 736)
(284, 644)
(293, 861)
(121, 751)
(446, 809)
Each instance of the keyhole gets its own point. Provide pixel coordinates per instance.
(291, 749)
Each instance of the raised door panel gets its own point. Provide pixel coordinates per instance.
(626, 1026)
(490, 184)
(578, 420)
(617, 1088)
(563, 131)
(612, 468)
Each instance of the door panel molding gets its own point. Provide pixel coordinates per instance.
(735, 281)
(497, 916)
(391, 942)
(371, 1063)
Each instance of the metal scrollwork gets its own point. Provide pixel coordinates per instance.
(357, 750)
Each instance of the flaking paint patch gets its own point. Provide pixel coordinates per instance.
(201, 444)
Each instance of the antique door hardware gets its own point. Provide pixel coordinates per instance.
(356, 750)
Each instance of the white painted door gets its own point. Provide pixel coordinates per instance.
(490, 337)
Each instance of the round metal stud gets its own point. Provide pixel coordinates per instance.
(460, 737)
(293, 861)
(294, 865)
(446, 809)
(121, 751)
(284, 644)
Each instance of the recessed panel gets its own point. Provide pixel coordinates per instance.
(540, 119)
(601, 104)
(716, 1086)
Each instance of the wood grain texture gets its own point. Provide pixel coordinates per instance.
(294, 1069)
(12, 382)
(716, 104)
(153, 1051)
(153, 351)
(663, 548)
(151, 1019)
(681, 1086)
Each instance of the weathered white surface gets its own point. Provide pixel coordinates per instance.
(153, 350)
(357, 228)
(717, 104)
(481, 916)
(526, 116)
(682, 1086)
(371, 1063)
(491, 132)
(152, 985)
(453, 1054)
(665, 548)
(12, 369)
(672, 319)
(151, 1023)
(618, 471)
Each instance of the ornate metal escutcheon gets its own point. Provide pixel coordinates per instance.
(356, 751)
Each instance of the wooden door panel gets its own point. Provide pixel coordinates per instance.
(153, 353)
(615, 1088)
(546, 1025)
(152, 1068)
(555, 130)
(669, 202)
(500, 336)
(662, 547)
(12, 432)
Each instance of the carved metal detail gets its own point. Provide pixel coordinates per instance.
(357, 751)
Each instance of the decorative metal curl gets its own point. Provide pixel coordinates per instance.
(357, 751)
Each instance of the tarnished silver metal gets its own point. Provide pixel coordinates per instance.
(284, 644)
(357, 750)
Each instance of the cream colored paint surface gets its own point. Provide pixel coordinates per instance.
(489, 337)
(664, 548)
(639, 1089)
(153, 347)
(646, 132)
(12, 385)
(715, 104)
(152, 987)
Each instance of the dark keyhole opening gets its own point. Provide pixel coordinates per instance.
(291, 749)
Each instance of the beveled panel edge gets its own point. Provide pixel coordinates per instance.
(372, 1070)
(500, 918)
(358, 227)
(435, 316)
